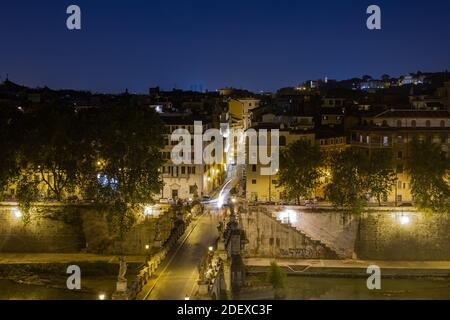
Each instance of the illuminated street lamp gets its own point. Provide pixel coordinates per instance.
(17, 213)
(101, 296)
(187, 298)
(147, 247)
(210, 249)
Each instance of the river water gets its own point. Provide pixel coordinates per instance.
(319, 288)
(298, 288)
(10, 290)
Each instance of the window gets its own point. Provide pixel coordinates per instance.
(385, 141)
(253, 181)
(254, 168)
(442, 123)
(400, 155)
(428, 123)
(183, 170)
(282, 141)
(192, 189)
(400, 168)
(413, 123)
(399, 185)
(399, 123)
(385, 124)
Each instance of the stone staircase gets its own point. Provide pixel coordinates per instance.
(330, 253)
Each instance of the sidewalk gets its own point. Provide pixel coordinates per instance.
(352, 267)
(36, 258)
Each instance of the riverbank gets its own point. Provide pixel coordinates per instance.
(36, 277)
(341, 288)
(351, 268)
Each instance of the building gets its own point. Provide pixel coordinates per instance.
(392, 131)
(263, 188)
(186, 181)
(239, 111)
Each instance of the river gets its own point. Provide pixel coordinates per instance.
(319, 288)
(10, 290)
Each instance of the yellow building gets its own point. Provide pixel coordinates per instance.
(392, 131)
(263, 188)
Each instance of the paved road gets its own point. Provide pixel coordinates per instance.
(177, 278)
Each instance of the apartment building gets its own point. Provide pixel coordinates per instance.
(392, 131)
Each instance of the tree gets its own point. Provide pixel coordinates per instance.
(429, 171)
(8, 145)
(379, 176)
(27, 193)
(346, 188)
(53, 147)
(277, 278)
(127, 141)
(300, 169)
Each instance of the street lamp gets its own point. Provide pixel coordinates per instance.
(101, 296)
(17, 213)
(210, 249)
(187, 298)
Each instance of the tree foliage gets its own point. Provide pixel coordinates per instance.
(379, 176)
(300, 169)
(109, 155)
(346, 188)
(429, 171)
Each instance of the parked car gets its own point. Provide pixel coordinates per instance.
(311, 203)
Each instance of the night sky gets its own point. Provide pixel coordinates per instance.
(258, 45)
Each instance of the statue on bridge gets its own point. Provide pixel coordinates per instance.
(122, 270)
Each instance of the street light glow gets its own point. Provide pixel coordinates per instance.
(101, 296)
(405, 220)
(288, 216)
(17, 213)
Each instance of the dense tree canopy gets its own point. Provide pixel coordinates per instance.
(110, 155)
(347, 181)
(429, 171)
(300, 169)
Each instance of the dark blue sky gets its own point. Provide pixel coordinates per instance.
(259, 45)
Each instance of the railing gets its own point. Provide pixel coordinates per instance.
(211, 275)
(152, 263)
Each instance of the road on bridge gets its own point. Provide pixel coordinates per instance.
(177, 277)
